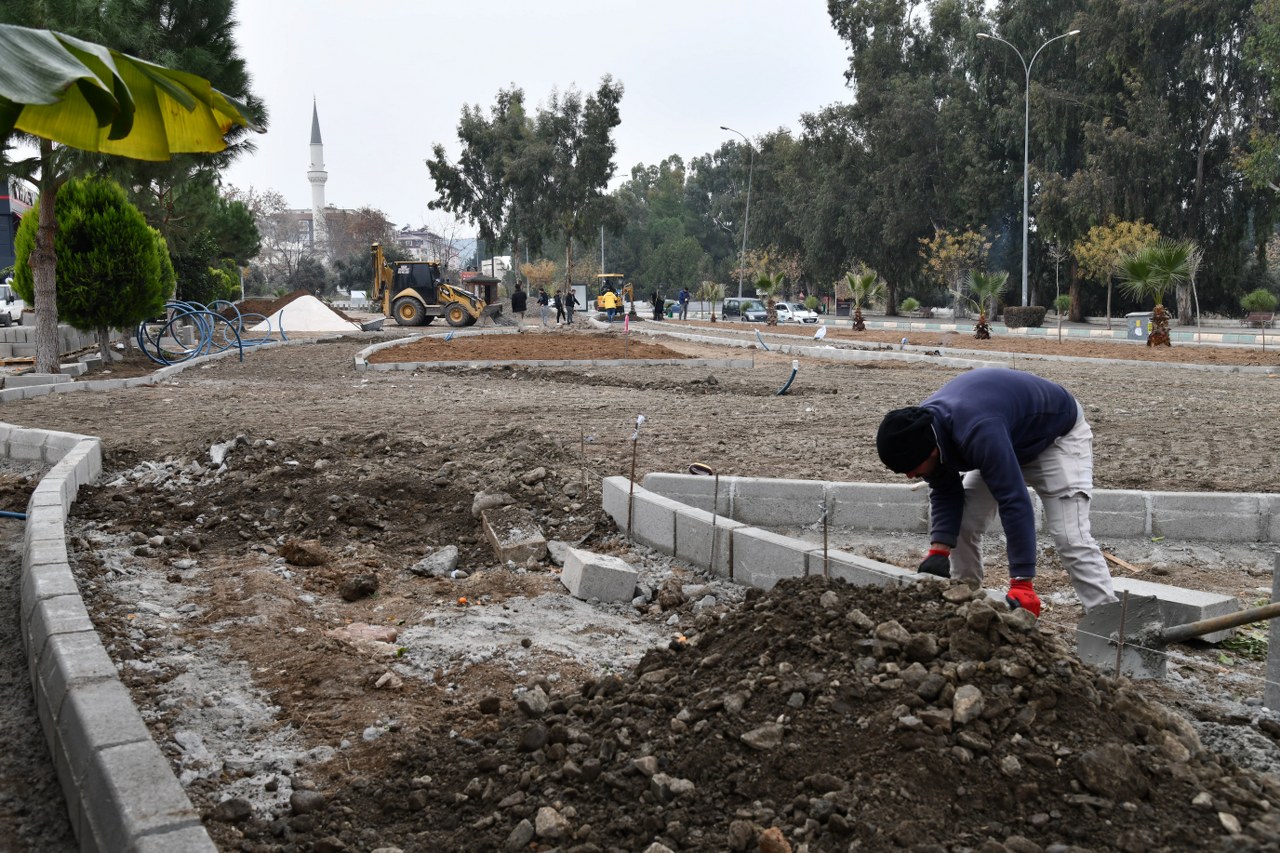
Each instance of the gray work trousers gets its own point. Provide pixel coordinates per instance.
(1063, 478)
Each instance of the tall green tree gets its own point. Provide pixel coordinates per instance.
(578, 133)
(110, 272)
(494, 182)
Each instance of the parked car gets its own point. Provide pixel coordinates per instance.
(794, 312)
(742, 308)
(11, 307)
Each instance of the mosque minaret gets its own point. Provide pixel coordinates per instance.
(317, 176)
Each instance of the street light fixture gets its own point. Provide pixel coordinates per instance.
(1026, 140)
(746, 219)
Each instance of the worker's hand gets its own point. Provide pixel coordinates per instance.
(1022, 594)
(936, 563)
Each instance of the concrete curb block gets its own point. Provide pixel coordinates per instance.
(120, 791)
(730, 548)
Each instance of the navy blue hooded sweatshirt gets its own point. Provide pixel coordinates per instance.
(993, 420)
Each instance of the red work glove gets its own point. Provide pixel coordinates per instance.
(1021, 594)
(937, 563)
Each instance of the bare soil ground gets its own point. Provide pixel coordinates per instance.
(254, 559)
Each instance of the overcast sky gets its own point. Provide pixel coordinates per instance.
(390, 77)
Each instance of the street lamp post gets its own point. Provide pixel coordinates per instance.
(1026, 140)
(746, 219)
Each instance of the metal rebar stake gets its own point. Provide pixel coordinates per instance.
(1124, 611)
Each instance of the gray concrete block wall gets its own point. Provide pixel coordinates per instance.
(1120, 513)
(761, 558)
(1204, 516)
(1180, 606)
(120, 792)
(1208, 516)
(879, 506)
(696, 491)
(703, 539)
(860, 571)
(777, 503)
(653, 522)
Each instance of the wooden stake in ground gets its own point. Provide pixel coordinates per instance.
(1112, 558)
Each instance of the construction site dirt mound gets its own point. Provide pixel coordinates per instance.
(839, 718)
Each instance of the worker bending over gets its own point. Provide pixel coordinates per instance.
(978, 442)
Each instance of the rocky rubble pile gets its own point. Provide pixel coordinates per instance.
(821, 717)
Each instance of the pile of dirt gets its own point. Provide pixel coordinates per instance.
(527, 346)
(819, 715)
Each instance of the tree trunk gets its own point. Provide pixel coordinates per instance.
(1186, 311)
(104, 344)
(1159, 336)
(44, 263)
(1073, 290)
(1108, 303)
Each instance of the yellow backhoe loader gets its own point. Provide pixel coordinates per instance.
(413, 293)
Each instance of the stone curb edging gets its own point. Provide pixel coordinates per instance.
(120, 792)
(1121, 513)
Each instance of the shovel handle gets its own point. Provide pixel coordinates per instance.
(1178, 633)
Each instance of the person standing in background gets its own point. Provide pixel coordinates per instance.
(544, 303)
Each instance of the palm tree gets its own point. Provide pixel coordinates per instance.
(713, 292)
(866, 286)
(986, 289)
(1151, 272)
(769, 286)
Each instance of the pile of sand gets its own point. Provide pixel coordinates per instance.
(305, 314)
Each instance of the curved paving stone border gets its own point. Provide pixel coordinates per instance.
(120, 791)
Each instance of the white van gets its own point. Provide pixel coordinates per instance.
(11, 307)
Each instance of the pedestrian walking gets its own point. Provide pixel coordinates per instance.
(519, 303)
(558, 303)
(684, 303)
(544, 304)
(978, 442)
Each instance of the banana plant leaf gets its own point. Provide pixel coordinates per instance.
(91, 97)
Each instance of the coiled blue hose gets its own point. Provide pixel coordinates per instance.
(214, 331)
(795, 367)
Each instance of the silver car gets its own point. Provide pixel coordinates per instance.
(742, 308)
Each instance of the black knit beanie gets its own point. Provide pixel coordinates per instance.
(905, 438)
